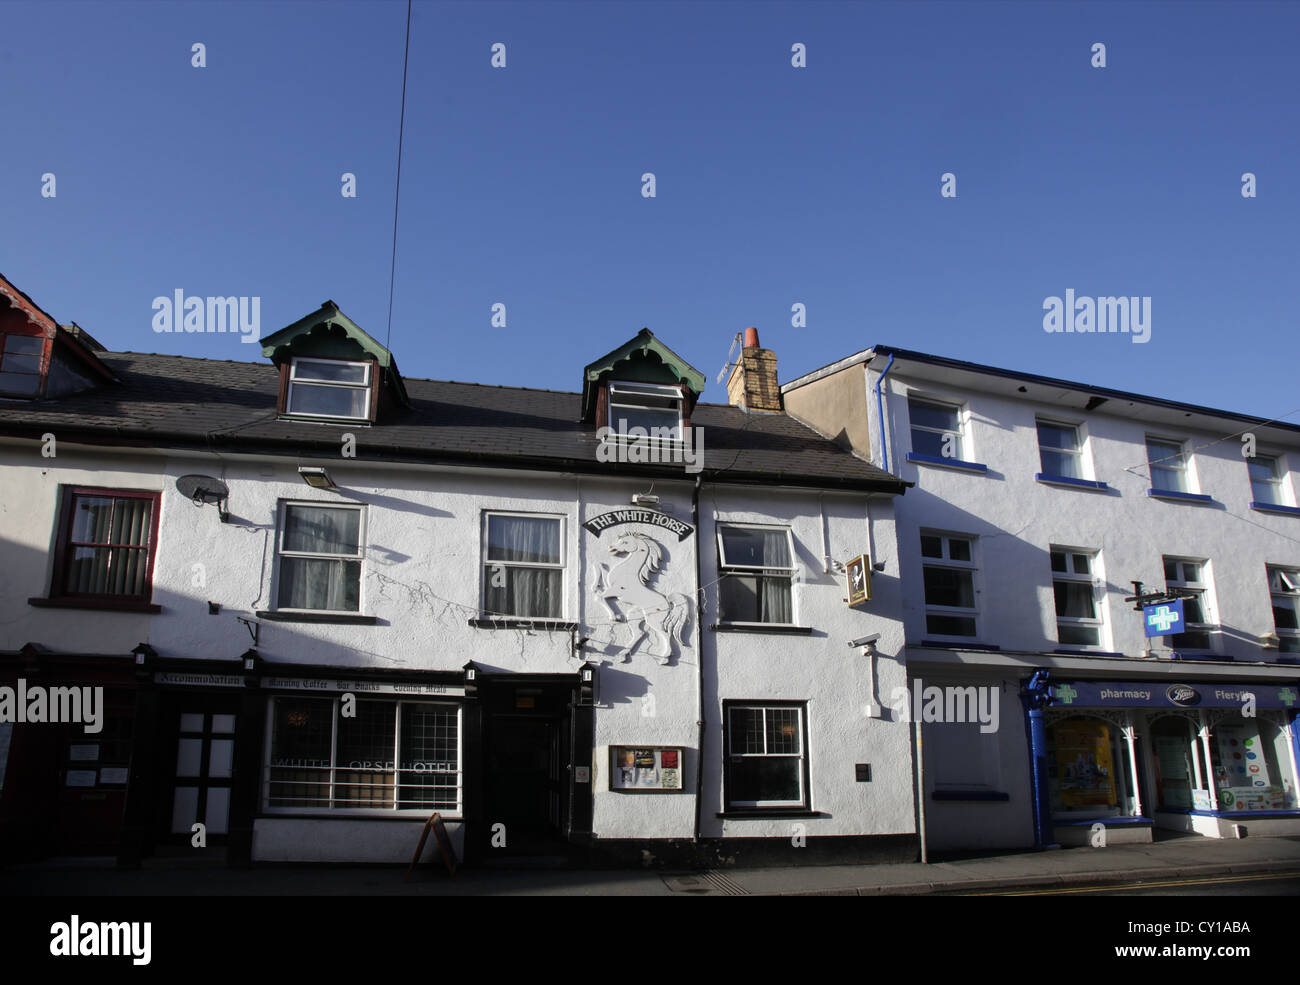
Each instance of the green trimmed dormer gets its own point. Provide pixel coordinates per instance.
(644, 383)
(331, 370)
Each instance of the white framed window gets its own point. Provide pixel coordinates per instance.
(390, 757)
(936, 427)
(1060, 451)
(645, 410)
(329, 388)
(320, 553)
(1265, 480)
(1074, 583)
(755, 574)
(1284, 587)
(523, 565)
(1168, 465)
(948, 567)
(1191, 576)
(767, 755)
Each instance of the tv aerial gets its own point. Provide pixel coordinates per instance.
(726, 367)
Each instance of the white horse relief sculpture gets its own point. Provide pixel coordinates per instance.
(627, 582)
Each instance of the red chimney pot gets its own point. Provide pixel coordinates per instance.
(751, 338)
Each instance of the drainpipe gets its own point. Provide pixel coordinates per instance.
(880, 413)
(918, 769)
(699, 657)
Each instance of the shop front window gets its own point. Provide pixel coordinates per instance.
(1252, 770)
(1088, 769)
(324, 760)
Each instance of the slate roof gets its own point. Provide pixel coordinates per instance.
(180, 401)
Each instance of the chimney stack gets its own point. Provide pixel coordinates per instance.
(752, 385)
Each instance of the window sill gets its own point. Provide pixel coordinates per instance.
(959, 645)
(309, 419)
(1179, 497)
(760, 627)
(947, 463)
(511, 622)
(990, 796)
(767, 813)
(1275, 508)
(1065, 480)
(98, 605)
(1083, 652)
(1180, 655)
(347, 618)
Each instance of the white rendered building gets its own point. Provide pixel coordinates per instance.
(1037, 503)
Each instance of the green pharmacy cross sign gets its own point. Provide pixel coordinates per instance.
(1163, 619)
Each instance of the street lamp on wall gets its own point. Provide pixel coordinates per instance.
(470, 670)
(588, 683)
(316, 477)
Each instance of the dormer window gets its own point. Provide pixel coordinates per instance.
(329, 388)
(20, 364)
(655, 408)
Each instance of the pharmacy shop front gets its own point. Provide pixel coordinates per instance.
(1124, 757)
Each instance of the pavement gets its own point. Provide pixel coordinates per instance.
(1181, 858)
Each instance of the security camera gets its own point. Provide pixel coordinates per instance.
(866, 640)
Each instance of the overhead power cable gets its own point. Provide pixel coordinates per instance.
(397, 192)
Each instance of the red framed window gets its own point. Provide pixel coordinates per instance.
(106, 545)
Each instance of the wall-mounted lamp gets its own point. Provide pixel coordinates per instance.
(316, 477)
(470, 670)
(645, 499)
(143, 653)
(250, 658)
(588, 681)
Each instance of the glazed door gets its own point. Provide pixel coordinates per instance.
(203, 770)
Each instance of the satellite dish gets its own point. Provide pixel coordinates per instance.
(200, 489)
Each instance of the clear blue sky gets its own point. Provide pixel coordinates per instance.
(775, 185)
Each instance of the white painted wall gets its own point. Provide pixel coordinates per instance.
(1016, 518)
(422, 575)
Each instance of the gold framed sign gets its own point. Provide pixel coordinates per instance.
(857, 575)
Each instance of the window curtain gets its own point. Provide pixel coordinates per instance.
(110, 570)
(320, 583)
(758, 597)
(519, 591)
(524, 539)
(774, 592)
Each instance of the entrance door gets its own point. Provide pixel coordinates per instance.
(526, 746)
(201, 780)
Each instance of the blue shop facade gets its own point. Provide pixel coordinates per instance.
(1113, 760)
